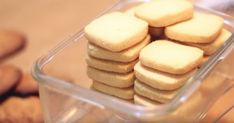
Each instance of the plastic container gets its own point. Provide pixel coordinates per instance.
(66, 95)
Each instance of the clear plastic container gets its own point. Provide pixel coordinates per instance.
(66, 95)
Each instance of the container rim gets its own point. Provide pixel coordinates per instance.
(105, 101)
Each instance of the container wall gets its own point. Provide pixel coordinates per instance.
(61, 108)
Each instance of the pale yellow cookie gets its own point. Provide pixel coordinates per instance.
(111, 66)
(171, 57)
(116, 31)
(162, 13)
(110, 78)
(123, 93)
(160, 80)
(127, 55)
(140, 100)
(161, 96)
(202, 28)
(210, 48)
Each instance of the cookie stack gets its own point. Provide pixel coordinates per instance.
(204, 31)
(159, 76)
(115, 40)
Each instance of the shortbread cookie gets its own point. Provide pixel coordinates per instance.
(116, 31)
(202, 28)
(210, 48)
(171, 57)
(9, 77)
(111, 66)
(162, 13)
(21, 110)
(127, 55)
(140, 100)
(10, 42)
(27, 85)
(160, 80)
(156, 31)
(111, 78)
(161, 96)
(123, 93)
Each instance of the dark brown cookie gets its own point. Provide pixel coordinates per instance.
(10, 42)
(27, 85)
(9, 77)
(21, 110)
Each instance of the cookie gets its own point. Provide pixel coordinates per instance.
(116, 31)
(111, 78)
(162, 13)
(9, 77)
(123, 93)
(111, 66)
(210, 48)
(171, 57)
(127, 55)
(10, 42)
(202, 28)
(156, 31)
(27, 85)
(140, 100)
(160, 80)
(161, 96)
(21, 110)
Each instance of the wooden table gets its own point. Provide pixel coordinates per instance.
(45, 23)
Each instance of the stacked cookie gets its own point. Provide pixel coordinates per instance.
(159, 76)
(115, 40)
(204, 31)
(162, 13)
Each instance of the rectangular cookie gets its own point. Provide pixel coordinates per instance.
(160, 80)
(171, 57)
(123, 93)
(140, 100)
(210, 48)
(162, 13)
(110, 66)
(110, 78)
(127, 55)
(202, 28)
(116, 31)
(161, 96)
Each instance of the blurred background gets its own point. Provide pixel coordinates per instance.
(46, 22)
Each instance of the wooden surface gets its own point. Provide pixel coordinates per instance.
(45, 23)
